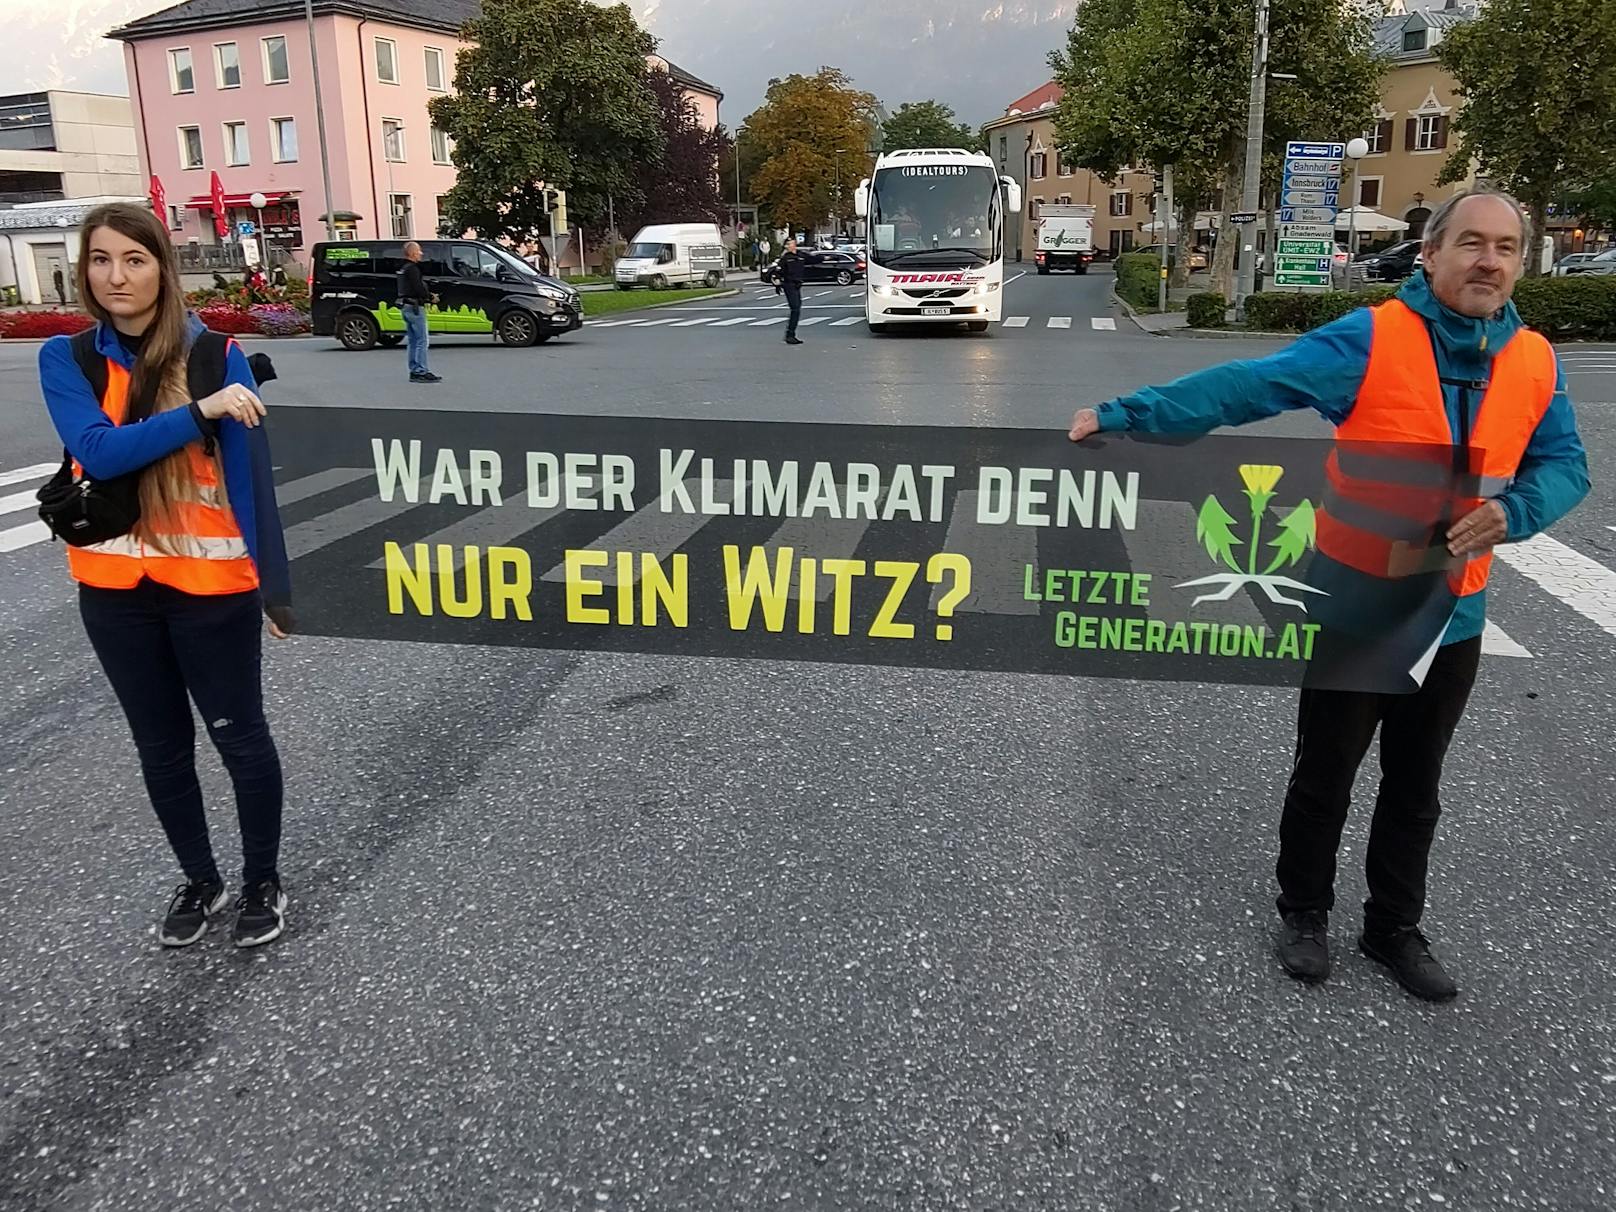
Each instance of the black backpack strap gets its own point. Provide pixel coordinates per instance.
(205, 367)
(91, 363)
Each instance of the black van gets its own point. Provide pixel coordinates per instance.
(481, 288)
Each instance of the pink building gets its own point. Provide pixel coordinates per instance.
(227, 86)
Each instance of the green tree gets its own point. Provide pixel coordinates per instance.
(553, 91)
(1539, 86)
(810, 133)
(1117, 109)
(681, 184)
(925, 124)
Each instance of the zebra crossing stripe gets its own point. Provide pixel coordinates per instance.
(733, 321)
(1585, 585)
(652, 323)
(997, 558)
(36, 472)
(1102, 323)
(806, 321)
(693, 323)
(1059, 322)
(646, 530)
(610, 323)
(18, 500)
(294, 491)
(491, 526)
(342, 522)
(1495, 643)
(1016, 321)
(824, 539)
(769, 321)
(23, 536)
(846, 320)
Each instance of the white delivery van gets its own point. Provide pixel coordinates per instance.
(672, 254)
(1065, 237)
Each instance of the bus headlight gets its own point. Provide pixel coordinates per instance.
(884, 291)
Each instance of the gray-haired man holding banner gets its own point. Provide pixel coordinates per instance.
(1447, 363)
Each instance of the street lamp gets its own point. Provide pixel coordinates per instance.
(836, 215)
(258, 202)
(1357, 149)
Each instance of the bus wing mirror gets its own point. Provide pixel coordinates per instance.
(861, 198)
(1012, 195)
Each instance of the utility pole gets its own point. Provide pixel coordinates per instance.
(1246, 281)
(1165, 219)
(319, 120)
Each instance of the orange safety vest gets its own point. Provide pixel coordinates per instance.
(1399, 406)
(210, 556)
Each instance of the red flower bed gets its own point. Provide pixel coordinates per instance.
(227, 318)
(42, 323)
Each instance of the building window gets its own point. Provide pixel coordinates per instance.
(283, 139)
(235, 144)
(1426, 132)
(1004, 150)
(176, 217)
(1039, 165)
(277, 68)
(444, 227)
(1065, 199)
(386, 61)
(1036, 209)
(1121, 203)
(181, 74)
(1121, 241)
(1379, 137)
(434, 69)
(1369, 191)
(1063, 167)
(398, 206)
(190, 147)
(1414, 39)
(227, 65)
(440, 146)
(393, 139)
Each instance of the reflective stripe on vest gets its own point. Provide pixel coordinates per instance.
(1383, 501)
(206, 555)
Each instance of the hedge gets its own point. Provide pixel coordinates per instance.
(1138, 279)
(1579, 307)
(42, 323)
(1206, 309)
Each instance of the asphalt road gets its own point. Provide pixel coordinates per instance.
(580, 931)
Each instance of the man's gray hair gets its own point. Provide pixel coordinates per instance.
(1437, 226)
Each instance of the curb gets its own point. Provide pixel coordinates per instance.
(723, 294)
(1127, 310)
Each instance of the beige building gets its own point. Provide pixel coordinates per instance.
(1409, 142)
(56, 145)
(1022, 143)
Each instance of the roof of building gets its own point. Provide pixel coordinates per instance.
(1044, 94)
(693, 83)
(1388, 31)
(445, 15)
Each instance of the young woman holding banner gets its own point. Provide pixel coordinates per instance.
(163, 419)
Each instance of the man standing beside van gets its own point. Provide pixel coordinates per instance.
(413, 298)
(788, 277)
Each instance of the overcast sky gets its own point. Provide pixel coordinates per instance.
(976, 55)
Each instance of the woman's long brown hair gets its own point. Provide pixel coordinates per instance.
(158, 381)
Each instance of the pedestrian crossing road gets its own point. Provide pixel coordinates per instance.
(1576, 584)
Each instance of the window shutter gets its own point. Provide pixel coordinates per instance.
(1442, 131)
(1383, 136)
(1127, 204)
(1411, 132)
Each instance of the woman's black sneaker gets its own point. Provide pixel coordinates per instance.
(189, 910)
(260, 913)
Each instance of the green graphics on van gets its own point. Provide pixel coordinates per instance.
(390, 318)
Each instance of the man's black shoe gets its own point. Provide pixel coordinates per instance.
(793, 340)
(1408, 955)
(426, 377)
(1304, 944)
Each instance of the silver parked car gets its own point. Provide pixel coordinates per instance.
(1604, 263)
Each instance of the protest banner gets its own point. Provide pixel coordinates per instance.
(986, 549)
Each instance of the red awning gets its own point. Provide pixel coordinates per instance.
(271, 198)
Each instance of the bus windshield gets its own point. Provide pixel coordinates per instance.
(934, 208)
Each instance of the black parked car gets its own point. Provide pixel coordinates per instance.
(1389, 264)
(843, 268)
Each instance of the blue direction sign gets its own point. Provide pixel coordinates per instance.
(246, 228)
(1315, 151)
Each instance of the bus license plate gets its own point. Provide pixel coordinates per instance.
(936, 311)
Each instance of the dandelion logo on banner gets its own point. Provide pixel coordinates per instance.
(1215, 530)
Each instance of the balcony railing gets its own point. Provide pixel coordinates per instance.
(194, 257)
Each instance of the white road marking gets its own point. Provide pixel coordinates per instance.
(733, 321)
(646, 529)
(1059, 322)
(1102, 323)
(1495, 643)
(18, 500)
(821, 294)
(25, 535)
(347, 520)
(1585, 585)
(807, 320)
(36, 472)
(1017, 278)
(769, 321)
(846, 320)
(654, 323)
(997, 555)
(321, 481)
(1016, 321)
(693, 323)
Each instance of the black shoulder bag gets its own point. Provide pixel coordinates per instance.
(84, 511)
